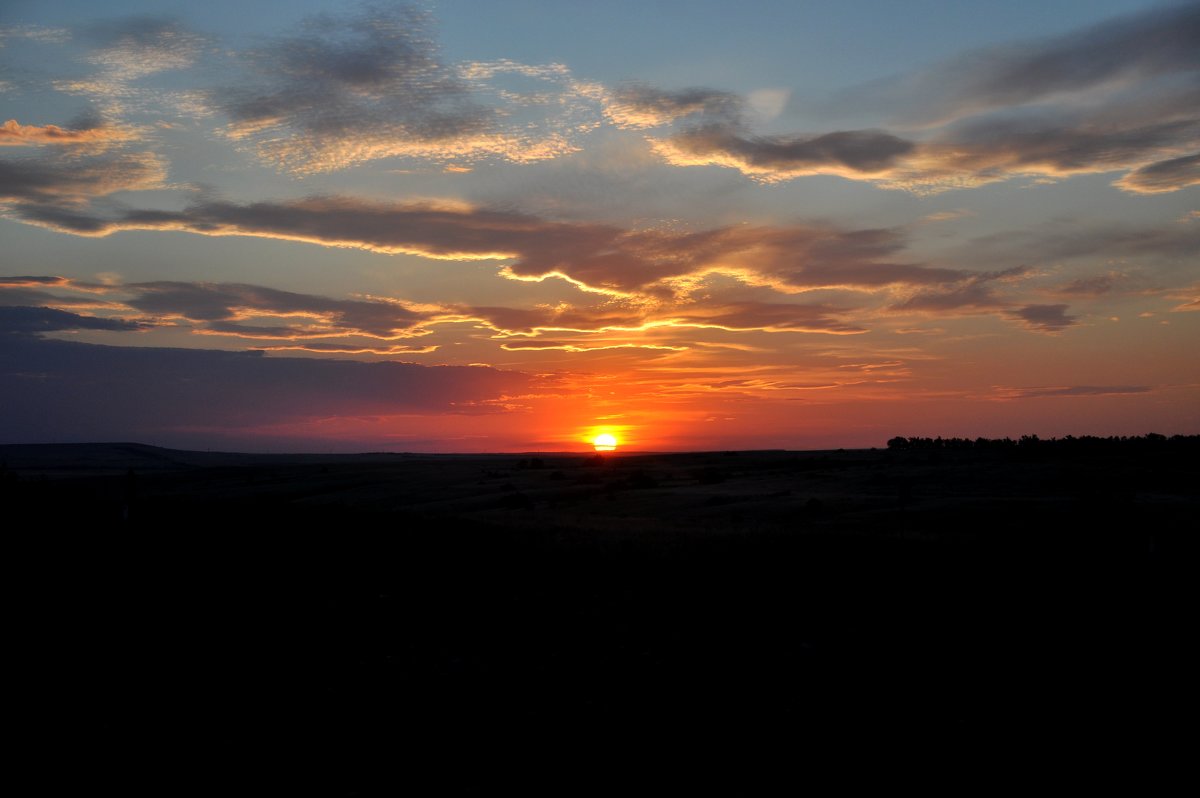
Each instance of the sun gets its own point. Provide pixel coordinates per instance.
(604, 442)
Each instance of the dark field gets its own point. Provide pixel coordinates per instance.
(415, 609)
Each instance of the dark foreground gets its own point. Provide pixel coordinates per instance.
(343, 622)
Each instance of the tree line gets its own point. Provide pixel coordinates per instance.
(1069, 442)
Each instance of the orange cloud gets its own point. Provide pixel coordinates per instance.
(14, 134)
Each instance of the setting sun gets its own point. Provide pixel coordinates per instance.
(604, 443)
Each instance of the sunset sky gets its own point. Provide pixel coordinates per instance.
(514, 225)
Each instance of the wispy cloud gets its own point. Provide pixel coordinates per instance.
(1071, 391)
(39, 33)
(1125, 50)
(128, 50)
(600, 257)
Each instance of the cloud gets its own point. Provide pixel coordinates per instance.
(732, 316)
(89, 139)
(127, 50)
(528, 346)
(973, 295)
(1055, 144)
(1099, 284)
(1109, 241)
(134, 47)
(768, 316)
(259, 313)
(345, 87)
(18, 319)
(1072, 391)
(1124, 50)
(978, 295)
(1121, 96)
(1051, 145)
(349, 349)
(1169, 175)
(975, 292)
(33, 32)
(31, 290)
(1190, 297)
(594, 256)
(1103, 256)
(68, 391)
(851, 153)
(221, 305)
(49, 187)
(349, 89)
(235, 309)
(21, 281)
(1044, 318)
(641, 106)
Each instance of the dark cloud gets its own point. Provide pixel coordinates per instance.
(602, 257)
(20, 319)
(850, 152)
(1169, 175)
(52, 187)
(222, 304)
(68, 391)
(28, 296)
(1043, 318)
(1132, 48)
(351, 88)
(224, 308)
(348, 349)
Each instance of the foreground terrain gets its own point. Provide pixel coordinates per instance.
(410, 605)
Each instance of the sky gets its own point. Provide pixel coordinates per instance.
(512, 226)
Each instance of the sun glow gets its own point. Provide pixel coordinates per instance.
(604, 442)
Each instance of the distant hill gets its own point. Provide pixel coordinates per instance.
(69, 459)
